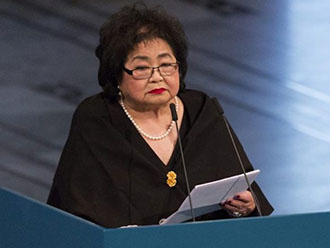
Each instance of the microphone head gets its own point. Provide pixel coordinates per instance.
(173, 112)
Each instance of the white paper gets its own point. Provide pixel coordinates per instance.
(206, 197)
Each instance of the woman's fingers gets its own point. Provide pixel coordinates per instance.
(242, 204)
(244, 196)
(235, 205)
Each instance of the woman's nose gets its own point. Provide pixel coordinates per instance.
(156, 75)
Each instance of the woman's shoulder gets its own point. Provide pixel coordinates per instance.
(91, 106)
(193, 94)
(195, 103)
(194, 99)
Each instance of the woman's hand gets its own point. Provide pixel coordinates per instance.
(242, 204)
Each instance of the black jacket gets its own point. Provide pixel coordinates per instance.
(109, 175)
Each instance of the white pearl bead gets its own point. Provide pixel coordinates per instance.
(144, 133)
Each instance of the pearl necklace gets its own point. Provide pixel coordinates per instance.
(144, 133)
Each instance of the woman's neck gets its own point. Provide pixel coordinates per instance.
(151, 112)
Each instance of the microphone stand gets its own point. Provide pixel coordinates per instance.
(238, 156)
(175, 119)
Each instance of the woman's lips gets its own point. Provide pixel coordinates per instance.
(157, 91)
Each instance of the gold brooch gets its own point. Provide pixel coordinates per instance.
(171, 179)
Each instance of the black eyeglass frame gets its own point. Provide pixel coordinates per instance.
(130, 72)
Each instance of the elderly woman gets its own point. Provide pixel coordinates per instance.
(121, 164)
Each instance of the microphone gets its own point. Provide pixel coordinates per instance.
(175, 119)
(220, 109)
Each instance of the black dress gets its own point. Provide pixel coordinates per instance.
(109, 175)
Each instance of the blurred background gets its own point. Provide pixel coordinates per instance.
(266, 61)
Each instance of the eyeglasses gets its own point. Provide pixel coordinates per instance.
(144, 72)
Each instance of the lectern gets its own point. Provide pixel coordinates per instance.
(28, 223)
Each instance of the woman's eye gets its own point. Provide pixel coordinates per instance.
(165, 65)
(142, 68)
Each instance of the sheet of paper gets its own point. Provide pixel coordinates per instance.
(206, 197)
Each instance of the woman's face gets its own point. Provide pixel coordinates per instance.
(157, 90)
